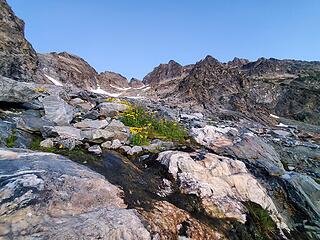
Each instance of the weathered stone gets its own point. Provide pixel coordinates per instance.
(194, 116)
(57, 110)
(92, 114)
(303, 189)
(38, 185)
(126, 148)
(32, 121)
(282, 133)
(97, 135)
(81, 104)
(63, 132)
(158, 145)
(167, 221)
(47, 143)
(135, 150)
(19, 92)
(67, 69)
(96, 149)
(87, 124)
(68, 143)
(16, 137)
(116, 144)
(245, 145)
(18, 59)
(106, 145)
(111, 109)
(221, 183)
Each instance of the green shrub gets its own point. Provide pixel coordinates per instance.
(145, 126)
(12, 139)
(262, 219)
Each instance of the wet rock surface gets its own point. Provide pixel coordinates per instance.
(35, 188)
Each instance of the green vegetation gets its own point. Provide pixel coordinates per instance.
(40, 90)
(117, 100)
(145, 126)
(265, 226)
(12, 139)
(76, 154)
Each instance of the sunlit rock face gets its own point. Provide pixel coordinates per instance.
(67, 69)
(18, 60)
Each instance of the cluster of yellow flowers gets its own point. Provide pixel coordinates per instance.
(139, 135)
(40, 90)
(113, 99)
(135, 130)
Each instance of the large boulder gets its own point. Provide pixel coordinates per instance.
(18, 92)
(88, 123)
(35, 188)
(57, 110)
(64, 132)
(222, 184)
(241, 144)
(111, 109)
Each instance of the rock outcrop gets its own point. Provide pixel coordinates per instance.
(67, 69)
(18, 60)
(205, 151)
(136, 83)
(47, 196)
(221, 183)
(168, 71)
(107, 80)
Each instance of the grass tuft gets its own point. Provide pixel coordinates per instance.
(10, 141)
(145, 126)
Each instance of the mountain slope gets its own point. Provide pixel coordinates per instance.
(18, 59)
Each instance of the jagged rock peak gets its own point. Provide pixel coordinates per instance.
(66, 68)
(167, 71)
(136, 83)
(18, 59)
(107, 78)
(237, 62)
(209, 58)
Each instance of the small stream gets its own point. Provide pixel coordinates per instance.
(142, 178)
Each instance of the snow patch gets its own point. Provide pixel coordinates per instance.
(119, 88)
(146, 89)
(101, 91)
(274, 116)
(138, 88)
(54, 81)
(136, 97)
(282, 125)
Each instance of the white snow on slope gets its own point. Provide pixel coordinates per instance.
(274, 116)
(54, 81)
(119, 88)
(101, 91)
(141, 87)
(146, 89)
(135, 97)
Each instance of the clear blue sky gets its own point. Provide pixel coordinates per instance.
(133, 36)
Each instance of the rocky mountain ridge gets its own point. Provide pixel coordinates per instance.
(18, 59)
(205, 151)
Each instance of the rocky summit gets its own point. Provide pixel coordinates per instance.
(210, 150)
